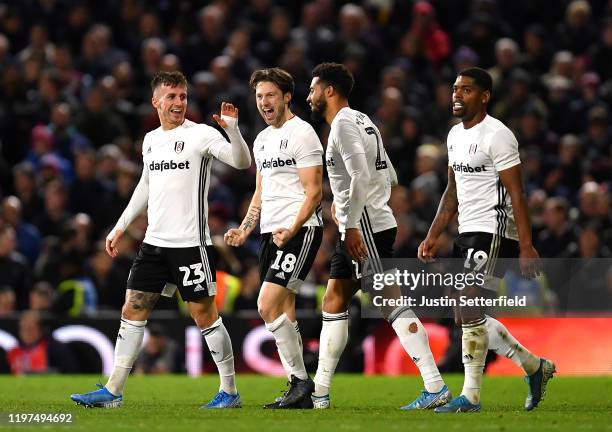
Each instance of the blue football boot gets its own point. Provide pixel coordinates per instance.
(428, 400)
(100, 398)
(459, 404)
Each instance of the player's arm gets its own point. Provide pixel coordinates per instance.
(237, 236)
(237, 154)
(353, 154)
(447, 209)
(392, 173)
(512, 179)
(505, 155)
(137, 204)
(312, 182)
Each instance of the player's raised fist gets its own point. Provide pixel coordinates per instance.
(227, 109)
(235, 237)
(281, 237)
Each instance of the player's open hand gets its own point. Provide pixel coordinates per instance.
(427, 250)
(355, 245)
(227, 109)
(281, 236)
(235, 237)
(530, 263)
(111, 242)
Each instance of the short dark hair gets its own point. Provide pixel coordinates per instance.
(172, 79)
(336, 75)
(481, 77)
(280, 77)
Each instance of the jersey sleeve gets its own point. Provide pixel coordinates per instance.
(503, 150)
(234, 153)
(212, 142)
(348, 139)
(308, 149)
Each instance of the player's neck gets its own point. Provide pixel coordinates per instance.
(474, 120)
(169, 126)
(333, 107)
(288, 116)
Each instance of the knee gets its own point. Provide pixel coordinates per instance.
(267, 311)
(334, 303)
(204, 317)
(130, 312)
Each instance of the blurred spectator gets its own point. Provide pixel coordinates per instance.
(86, 190)
(29, 240)
(559, 237)
(536, 50)
(425, 37)
(601, 52)
(14, 269)
(8, 302)
(55, 214)
(97, 121)
(159, 355)
(26, 190)
(577, 32)
(42, 297)
(37, 352)
(209, 40)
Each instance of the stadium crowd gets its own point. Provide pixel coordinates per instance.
(75, 105)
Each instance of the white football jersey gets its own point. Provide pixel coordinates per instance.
(279, 153)
(353, 132)
(177, 163)
(476, 156)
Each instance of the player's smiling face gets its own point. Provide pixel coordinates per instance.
(271, 103)
(316, 99)
(468, 98)
(171, 105)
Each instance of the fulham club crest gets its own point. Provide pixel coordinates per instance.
(283, 144)
(178, 146)
(473, 148)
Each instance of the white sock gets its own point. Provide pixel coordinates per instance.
(413, 338)
(287, 342)
(220, 347)
(503, 343)
(129, 340)
(474, 343)
(334, 335)
(280, 354)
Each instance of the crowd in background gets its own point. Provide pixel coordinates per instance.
(75, 105)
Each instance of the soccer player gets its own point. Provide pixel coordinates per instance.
(361, 177)
(177, 248)
(288, 189)
(484, 170)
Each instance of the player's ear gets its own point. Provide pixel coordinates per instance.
(287, 97)
(486, 96)
(329, 91)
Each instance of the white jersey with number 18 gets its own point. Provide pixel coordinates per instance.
(279, 154)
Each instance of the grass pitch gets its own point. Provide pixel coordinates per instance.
(168, 403)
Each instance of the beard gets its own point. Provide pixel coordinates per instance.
(317, 113)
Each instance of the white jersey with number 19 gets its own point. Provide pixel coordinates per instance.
(352, 132)
(477, 155)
